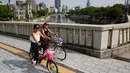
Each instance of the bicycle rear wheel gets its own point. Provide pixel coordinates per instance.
(52, 67)
(60, 53)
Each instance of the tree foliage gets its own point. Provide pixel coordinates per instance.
(114, 12)
(5, 13)
(41, 13)
(108, 14)
(98, 10)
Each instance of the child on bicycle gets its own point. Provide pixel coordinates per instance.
(35, 42)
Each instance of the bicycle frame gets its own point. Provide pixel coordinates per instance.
(47, 55)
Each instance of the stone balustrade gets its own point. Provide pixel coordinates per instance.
(97, 40)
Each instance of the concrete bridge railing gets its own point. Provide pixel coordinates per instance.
(97, 40)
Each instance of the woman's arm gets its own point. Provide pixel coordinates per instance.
(51, 32)
(35, 39)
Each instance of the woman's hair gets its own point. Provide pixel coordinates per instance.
(35, 26)
(45, 25)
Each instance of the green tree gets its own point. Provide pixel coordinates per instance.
(5, 13)
(41, 13)
(71, 12)
(113, 13)
(34, 13)
(120, 6)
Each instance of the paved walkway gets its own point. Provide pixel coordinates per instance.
(78, 61)
(10, 63)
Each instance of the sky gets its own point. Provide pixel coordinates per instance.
(82, 3)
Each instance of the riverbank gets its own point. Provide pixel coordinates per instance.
(91, 19)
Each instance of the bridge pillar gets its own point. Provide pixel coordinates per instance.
(100, 40)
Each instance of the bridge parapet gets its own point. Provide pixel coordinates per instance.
(97, 40)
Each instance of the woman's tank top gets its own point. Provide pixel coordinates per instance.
(37, 37)
(46, 32)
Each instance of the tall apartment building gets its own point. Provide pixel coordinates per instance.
(58, 5)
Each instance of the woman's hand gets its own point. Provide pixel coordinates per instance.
(39, 44)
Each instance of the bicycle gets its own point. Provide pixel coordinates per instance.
(56, 49)
(51, 65)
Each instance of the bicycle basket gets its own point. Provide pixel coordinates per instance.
(58, 41)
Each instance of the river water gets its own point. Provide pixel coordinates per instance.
(61, 19)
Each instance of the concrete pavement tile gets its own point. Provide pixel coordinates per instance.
(87, 59)
(125, 63)
(101, 68)
(6, 71)
(108, 61)
(79, 66)
(110, 66)
(2, 67)
(113, 71)
(118, 64)
(128, 67)
(69, 62)
(123, 70)
(99, 63)
(103, 72)
(90, 64)
(77, 60)
(92, 70)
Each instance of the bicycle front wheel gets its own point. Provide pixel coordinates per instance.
(52, 67)
(60, 53)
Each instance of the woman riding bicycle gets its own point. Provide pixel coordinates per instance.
(35, 42)
(45, 31)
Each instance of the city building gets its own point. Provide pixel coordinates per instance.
(41, 6)
(22, 9)
(65, 8)
(88, 3)
(52, 9)
(58, 5)
(33, 4)
(19, 11)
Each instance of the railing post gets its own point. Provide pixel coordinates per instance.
(16, 28)
(85, 37)
(79, 38)
(114, 38)
(3, 27)
(100, 39)
(73, 35)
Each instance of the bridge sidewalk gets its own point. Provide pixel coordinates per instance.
(78, 61)
(10, 63)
